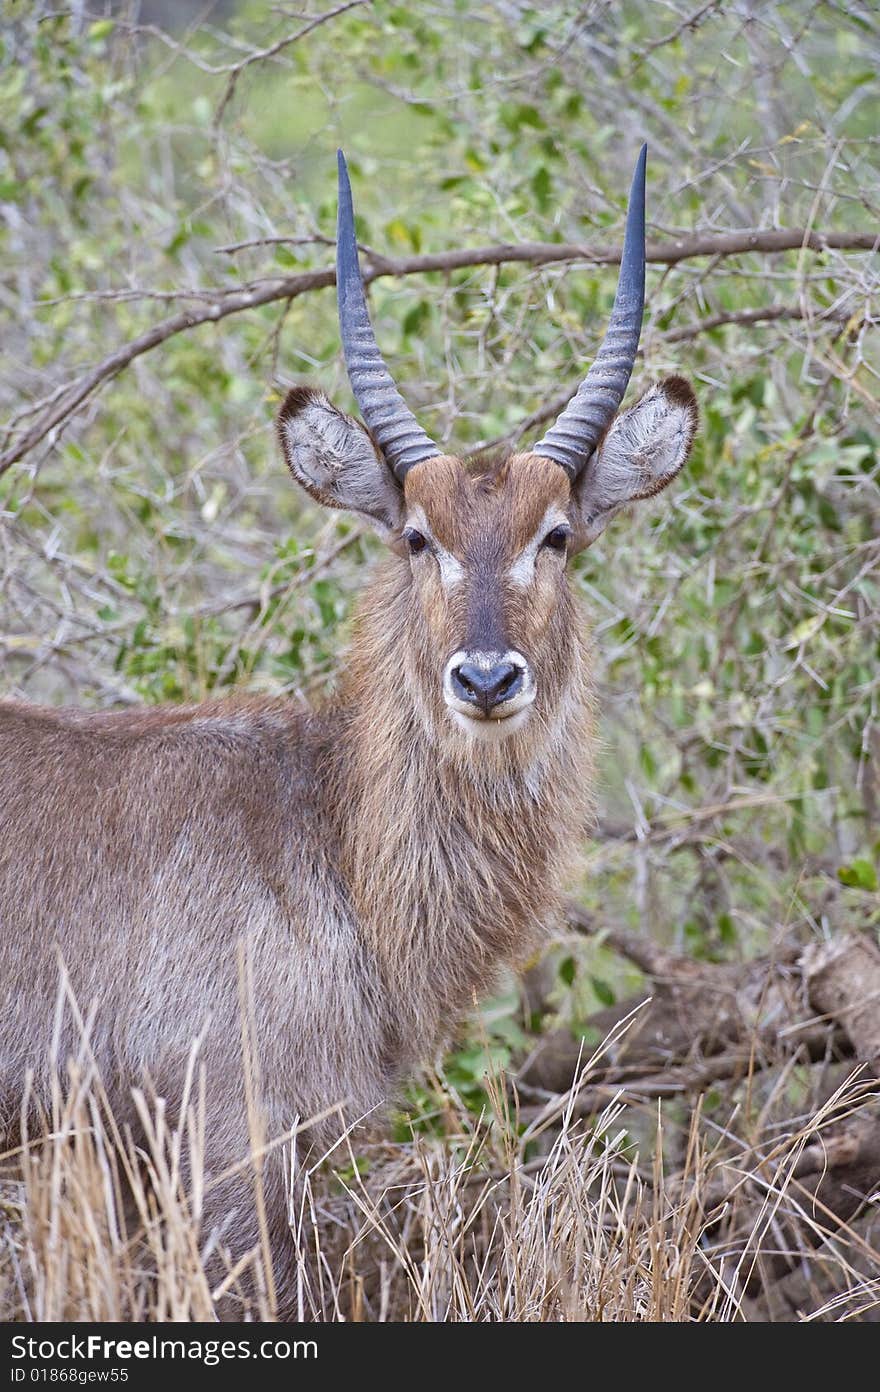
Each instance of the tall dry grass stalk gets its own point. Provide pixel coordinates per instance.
(557, 1219)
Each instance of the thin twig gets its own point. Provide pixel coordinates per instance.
(261, 55)
(266, 292)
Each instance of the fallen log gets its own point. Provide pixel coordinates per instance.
(701, 1024)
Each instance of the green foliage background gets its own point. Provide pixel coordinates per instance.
(152, 549)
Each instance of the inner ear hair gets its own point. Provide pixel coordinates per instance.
(335, 459)
(315, 438)
(647, 444)
(679, 392)
(642, 452)
(669, 437)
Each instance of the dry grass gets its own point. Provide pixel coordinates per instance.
(146, 555)
(556, 1219)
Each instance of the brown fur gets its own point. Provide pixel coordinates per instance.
(379, 865)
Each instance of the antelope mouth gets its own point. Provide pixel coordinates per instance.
(492, 727)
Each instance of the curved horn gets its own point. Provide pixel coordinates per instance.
(589, 413)
(386, 414)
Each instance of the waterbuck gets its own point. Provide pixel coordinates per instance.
(380, 859)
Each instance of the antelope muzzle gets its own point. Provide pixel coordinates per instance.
(482, 687)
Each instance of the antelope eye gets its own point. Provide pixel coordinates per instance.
(414, 540)
(557, 539)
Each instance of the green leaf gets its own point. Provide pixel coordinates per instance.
(603, 991)
(542, 184)
(859, 874)
(567, 970)
(726, 929)
(416, 318)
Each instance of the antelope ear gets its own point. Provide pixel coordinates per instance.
(642, 452)
(335, 460)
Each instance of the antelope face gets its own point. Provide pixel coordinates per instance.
(492, 631)
(487, 552)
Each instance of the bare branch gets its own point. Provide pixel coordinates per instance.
(768, 315)
(532, 253)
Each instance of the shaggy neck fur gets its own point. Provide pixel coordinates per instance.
(455, 851)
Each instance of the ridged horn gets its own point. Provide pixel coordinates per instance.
(386, 414)
(589, 413)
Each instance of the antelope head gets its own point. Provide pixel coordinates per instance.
(492, 632)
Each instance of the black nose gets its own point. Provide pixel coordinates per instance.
(486, 687)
